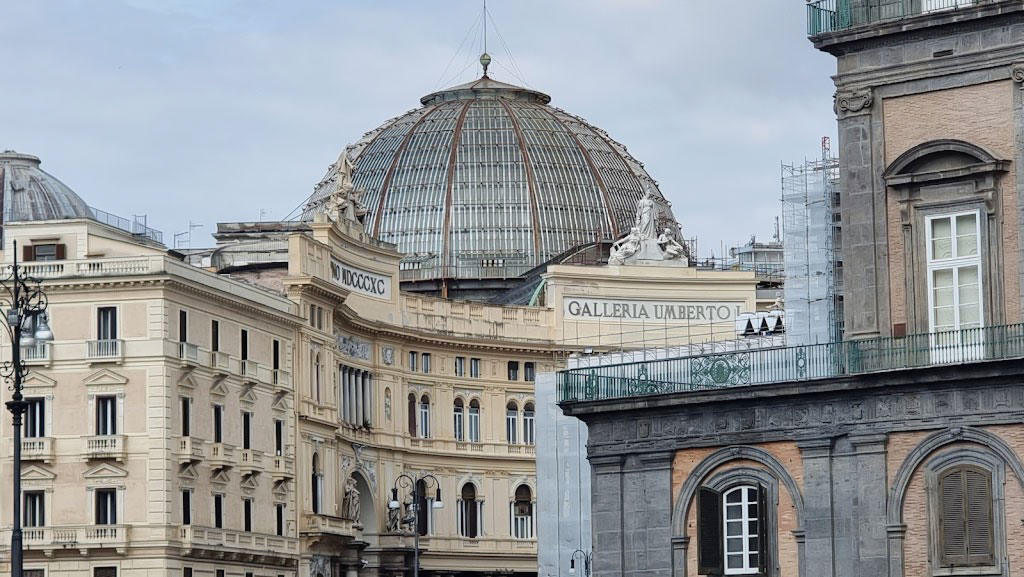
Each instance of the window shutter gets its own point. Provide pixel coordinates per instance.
(952, 526)
(710, 554)
(763, 563)
(980, 549)
(61, 251)
(28, 252)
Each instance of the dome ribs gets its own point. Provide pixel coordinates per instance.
(531, 185)
(446, 234)
(379, 216)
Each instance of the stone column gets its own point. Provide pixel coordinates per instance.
(357, 409)
(368, 396)
(344, 393)
(817, 493)
(872, 486)
(647, 514)
(606, 513)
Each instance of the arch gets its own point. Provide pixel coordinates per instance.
(523, 492)
(914, 459)
(681, 509)
(904, 164)
(367, 505)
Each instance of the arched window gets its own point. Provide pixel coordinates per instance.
(522, 513)
(412, 415)
(529, 436)
(425, 417)
(469, 513)
(459, 412)
(512, 423)
(474, 421)
(317, 485)
(315, 382)
(425, 509)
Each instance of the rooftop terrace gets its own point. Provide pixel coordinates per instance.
(824, 16)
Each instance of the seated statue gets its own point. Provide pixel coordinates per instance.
(669, 246)
(625, 247)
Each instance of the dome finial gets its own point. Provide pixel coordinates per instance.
(485, 61)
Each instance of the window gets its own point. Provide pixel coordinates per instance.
(320, 317)
(35, 418)
(186, 417)
(412, 360)
(315, 384)
(106, 323)
(186, 572)
(474, 368)
(44, 252)
(513, 370)
(459, 416)
(469, 512)
(218, 424)
(317, 493)
(218, 511)
(105, 572)
(425, 417)
(954, 272)
(276, 351)
(425, 510)
(278, 437)
(245, 345)
(34, 572)
(474, 421)
(182, 326)
(247, 515)
(425, 362)
(34, 514)
(106, 506)
(186, 506)
(460, 366)
(215, 336)
(412, 414)
(511, 423)
(106, 415)
(246, 430)
(220, 573)
(965, 520)
(279, 521)
(522, 513)
(529, 372)
(732, 530)
(529, 436)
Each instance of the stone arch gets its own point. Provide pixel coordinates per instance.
(915, 160)
(367, 506)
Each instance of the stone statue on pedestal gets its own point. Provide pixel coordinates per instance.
(351, 500)
(345, 202)
(643, 244)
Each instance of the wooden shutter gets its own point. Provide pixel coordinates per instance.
(710, 546)
(965, 518)
(978, 491)
(61, 251)
(28, 252)
(952, 525)
(763, 563)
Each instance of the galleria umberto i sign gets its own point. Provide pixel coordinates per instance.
(597, 309)
(360, 281)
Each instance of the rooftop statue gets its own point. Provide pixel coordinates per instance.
(643, 244)
(345, 201)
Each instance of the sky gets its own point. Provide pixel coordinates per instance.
(206, 111)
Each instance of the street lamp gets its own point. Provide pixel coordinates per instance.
(24, 300)
(585, 557)
(405, 480)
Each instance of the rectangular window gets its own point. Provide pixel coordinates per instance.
(218, 511)
(45, 252)
(246, 430)
(529, 435)
(106, 415)
(186, 572)
(247, 515)
(186, 416)
(220, 573)
(186, 506)
(215, 336)
(412, 360)
(513, 370)
(182, 326)
(104, 572)
(474, 423)
(529, 372)
(279, 508)
(474, 368)
(457, 426)
(966, 530)
(245, 345)
(511, 424)
(106, 506)
(425, 362)
(34, 514)
(35, 418)
(218, 424)
(276, 349)
(106, 323)
(954, 263)
(312, 315)
(278, 437)
(425, 418)
(732, 531)
(460, 366)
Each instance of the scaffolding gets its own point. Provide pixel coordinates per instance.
(812, 254)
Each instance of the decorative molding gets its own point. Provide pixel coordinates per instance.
(853, 102)
(353, 347)
(1017, 73)
(387, 355)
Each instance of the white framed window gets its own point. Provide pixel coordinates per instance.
(106, 506)
(474, 421)
(474, 368)
(460, 366)
(741, 515)
(529, 431)
(412, 360)
(469, 513)
(955, 288)
(512, 423)
(35, 418)
(424, 417)
(425, 362)
(106, 415)
(522, 513)
(459, 415)
(34, 509)
(106, 323)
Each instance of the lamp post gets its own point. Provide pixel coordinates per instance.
(24, 300)
(405, 480)
(585, 557)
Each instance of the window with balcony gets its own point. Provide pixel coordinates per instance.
(512, 423)
(469, 512)
(218, 424)
(106, 506)
(186, 506)
(279, 519)
(529, 435)
(247, 515)
(35, 418)
(186, 417)
(314, 384)
(411, 413)
(522, 513)
(317, 485)
(459, 413)
(106, 415)
(954, 272)
(275, 349)
(106, 323)
(244, 338)
(182, 326)
(460, 366)
(513, 370)
(474, 368)
(474, 421)
(34, 513)
(218, 511)
(246, 430)
(413, 355)
(425, 417)
(215, 336)
(529, 372)
(278, 437)
(425, 362)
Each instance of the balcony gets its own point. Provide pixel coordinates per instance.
(37, 449)
(790, 364)
(282, 468)
(282, 379)
(528, 450)
(250, 461)
(36, 354)
(190, 450)
(82, 538)
(329, 524)
(825, 16)
(192, 537)
(105, 447)
(188, 353)
(250, 370)
(221, 456)
(109, 350)
(219, 362)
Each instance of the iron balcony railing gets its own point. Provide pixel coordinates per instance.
(790, 364)
(824, 16)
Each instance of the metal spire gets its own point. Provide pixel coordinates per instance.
(485, 58)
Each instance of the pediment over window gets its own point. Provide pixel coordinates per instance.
(942, 160)
(36, 379)
(105, 471)
(36, 473)
(106, 377)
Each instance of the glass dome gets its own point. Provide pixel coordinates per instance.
(487, 180)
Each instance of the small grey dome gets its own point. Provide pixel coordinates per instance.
(30, 194)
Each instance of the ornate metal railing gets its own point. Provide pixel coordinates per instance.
(824, 16)
(790, 364)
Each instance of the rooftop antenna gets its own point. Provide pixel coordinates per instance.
(187, 235)
(485, 58)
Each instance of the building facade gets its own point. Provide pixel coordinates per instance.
(896, 451)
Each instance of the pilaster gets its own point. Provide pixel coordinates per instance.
(817, 522)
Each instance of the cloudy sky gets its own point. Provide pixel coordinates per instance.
(221, 110)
